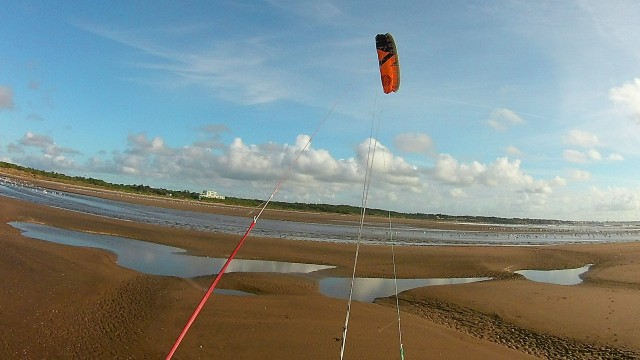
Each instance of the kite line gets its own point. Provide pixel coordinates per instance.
(390, 76)
(253, 223)
(365, 196)
(395, 274)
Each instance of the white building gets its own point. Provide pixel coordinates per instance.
(210, 194)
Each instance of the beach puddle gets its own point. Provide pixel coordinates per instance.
(231, 292)
(367, 289)
(559, 277)
(156, 259)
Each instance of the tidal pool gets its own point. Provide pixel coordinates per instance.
(156, 259)
(559, 277)
(368, 289)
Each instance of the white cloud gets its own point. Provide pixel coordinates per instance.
(574, 156)
(6, 97)
(414, 143)
(13, 148)
(7, 160)
(46, 143)
(458, 193)
(317, 174)
(500, 119)
(394, 169)
(47, 162)
(615, 157)
(499, 173)
(509, 115)
(627, 97)
(616, 199)
(142, 146)
(31, 139)
(496, 125)
(581, 138)
(579, 175)
(580, 157)
(449, 170)
(594, 155)
(512, 150)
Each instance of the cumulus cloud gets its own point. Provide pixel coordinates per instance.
(501, 119)
(46, 143)
(580, 157)
(449, 170)
(210, 144)
(31, 139)
(615, 157)
(457, 193)
(6, 97)
(616, 199)
(13, 148)
(594, 154)
(140, 145)
(48, 162)
(317, 172)
(499, 173)
(214, 131)
(244, 169)
(394, 169)
(579, 175)
(512, 150)
(581, 138)
(627, 98)
(414, 143)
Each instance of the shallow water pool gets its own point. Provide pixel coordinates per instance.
(559, 277)
(156, 259)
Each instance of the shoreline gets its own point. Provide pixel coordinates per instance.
(410, 231)
(242, 211)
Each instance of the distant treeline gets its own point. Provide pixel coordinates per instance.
(304, 207)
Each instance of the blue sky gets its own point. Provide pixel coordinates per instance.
(506, 108)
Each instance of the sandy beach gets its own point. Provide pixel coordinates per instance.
(60, 301)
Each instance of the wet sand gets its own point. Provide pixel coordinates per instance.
(66, 302)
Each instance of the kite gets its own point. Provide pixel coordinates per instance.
(389, 65)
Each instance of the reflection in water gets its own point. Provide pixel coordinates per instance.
(156, 259)
(230, 292)
(367, 289)
(560, 277)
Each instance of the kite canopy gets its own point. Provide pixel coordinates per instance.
(389, 65)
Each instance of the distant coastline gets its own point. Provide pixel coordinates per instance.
(22, 172)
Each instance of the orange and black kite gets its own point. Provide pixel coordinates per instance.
(389, 65)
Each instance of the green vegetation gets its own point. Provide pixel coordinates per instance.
(303, 207)
(137, 189)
